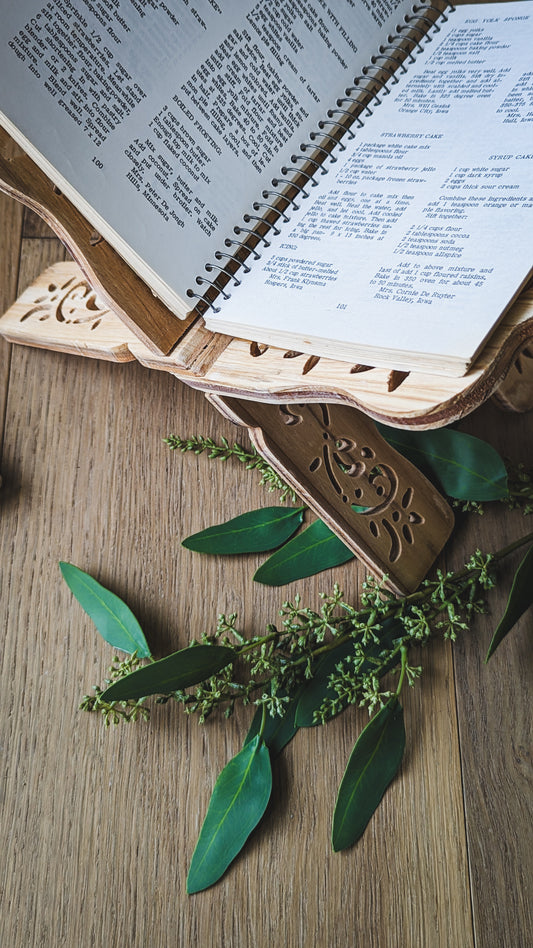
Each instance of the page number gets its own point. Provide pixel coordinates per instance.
(97, 162)
(342, 305)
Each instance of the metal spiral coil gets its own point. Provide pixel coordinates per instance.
(278, 194)
(350, 114)
(254, 217)
(392, 57)
(218, 255)
(312, 161)
(338, 125)
(356, 89)
(248, 230)
(407, 54)
(352, 92)
(413, 28)
(323, 151)
(427, 7)
(431, 23)
(271, 207)
(242, 244)
(301, 190)
(382, 82)
(211, 266)
(201, 297)
(391, 73)
(330, 138)
(302, 173)
(201, 280)
(417, 13)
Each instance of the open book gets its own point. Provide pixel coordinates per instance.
(349, 178)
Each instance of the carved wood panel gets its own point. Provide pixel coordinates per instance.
(81, 323)
(375, 500)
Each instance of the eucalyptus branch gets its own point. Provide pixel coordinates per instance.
(312, 664)
(519, 492)
(115, 711)
(519, 480)
(267, 669)
(520, 483)
(223, 450)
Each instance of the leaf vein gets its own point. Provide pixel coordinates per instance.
(228, 810)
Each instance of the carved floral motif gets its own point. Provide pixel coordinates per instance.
(362, 480)
(71, 303)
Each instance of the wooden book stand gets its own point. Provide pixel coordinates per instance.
(309, 417)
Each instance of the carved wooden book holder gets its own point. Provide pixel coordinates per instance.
(309, 417)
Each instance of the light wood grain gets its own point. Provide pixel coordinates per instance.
(215, 363)
(99, 827)
(496, 736)
(332, 455)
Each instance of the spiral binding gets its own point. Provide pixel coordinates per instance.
(362, 99)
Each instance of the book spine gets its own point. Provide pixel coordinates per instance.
(358, 103)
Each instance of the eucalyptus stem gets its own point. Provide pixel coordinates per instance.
(511, 547)
(222, 451)
(263, 721)
(373, 640)
(403, 652)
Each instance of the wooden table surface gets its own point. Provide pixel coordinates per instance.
(99, 826)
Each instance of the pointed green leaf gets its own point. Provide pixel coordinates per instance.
(172, 673)
(520, 599)
(317, 689)
(111, 616)
(238, 802)
(253, 532)
(311, 551)
(463, 466)
(279, 730)
(374, 762)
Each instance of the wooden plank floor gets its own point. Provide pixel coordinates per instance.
(99, 827)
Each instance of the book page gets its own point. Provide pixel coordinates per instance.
(420, 235)
(164, 122)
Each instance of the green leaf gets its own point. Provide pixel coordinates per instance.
(278, 730)
(463, 466)
(239, 799)
(172, 673)
(317, 689)
(313, 550)
(520, 599)
(253, 532)
(373, 763)
(111, 616)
